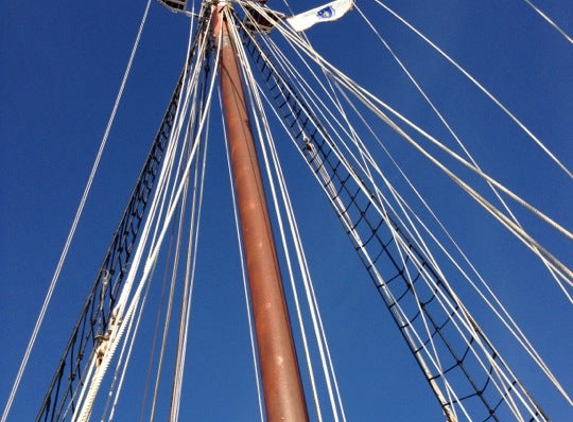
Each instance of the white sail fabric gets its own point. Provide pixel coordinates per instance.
(326, 13)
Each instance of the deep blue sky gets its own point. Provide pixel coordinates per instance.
(61, 66)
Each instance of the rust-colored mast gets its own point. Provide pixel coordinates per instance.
(284, 397)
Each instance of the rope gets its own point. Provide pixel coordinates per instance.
(193, 234)
(123, 366)
(441, 225)
(540, 253)
(433, 107)
(190, 282)
(567, 274)
(354, 137)
(366, 98)
(504, 385)
(549, 21)
(481, 88)
(75, 222)
(557, 267)
(252, 92)
(274, 171)
(189, 86)
(319, 331)
(363, 93)
(511, 326)
(116, 335)
(171, 296)
(154, 342)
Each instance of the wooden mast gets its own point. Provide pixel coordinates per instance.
(282, 386)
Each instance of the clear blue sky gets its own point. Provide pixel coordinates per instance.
(61, 65)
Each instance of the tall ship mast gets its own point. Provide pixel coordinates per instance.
(301, 132)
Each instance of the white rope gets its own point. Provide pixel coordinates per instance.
(76, 220)
(522, 338)
(515, 331)
(321, 342)
(271, 160)
(319, 331)
(318, 327)
(556, 268)
(305, 275)
(396, 309)
(189, 90)
(117, 334)
(170, 205)
(175, 266)
(502, 393)
(355, 139)
(348, 224)
(481, 88)
(549, 21)
(411, 334)
(500, 311)
(567, 274)
(197, 200)
(189, 285)
(468, 326)
(370, 99)
(131, 335)
(554, 271)
(171, 296)
(351, 133)
(195, 143)
(433, 107)
(252, 91)
(539, 253)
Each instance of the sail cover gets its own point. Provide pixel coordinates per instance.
(174, 5)
(328, 12)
